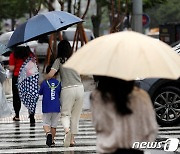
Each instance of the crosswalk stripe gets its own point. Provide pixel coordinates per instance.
(88, 149)
(41, 143)
(32, 134)
(43, 138)
(169, 132)
(169, 128)
(40, 129)
(168, 136)
(26, 126)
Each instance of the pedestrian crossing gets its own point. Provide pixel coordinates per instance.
(169, 132)
(19, 137)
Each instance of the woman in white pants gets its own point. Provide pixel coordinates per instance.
(71, 95)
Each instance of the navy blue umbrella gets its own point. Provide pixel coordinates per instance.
(41, 24)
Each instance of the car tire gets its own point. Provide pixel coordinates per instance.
(166, 103)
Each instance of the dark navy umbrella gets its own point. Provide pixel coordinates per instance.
(41, 24)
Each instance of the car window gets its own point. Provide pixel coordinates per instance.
(70, 32)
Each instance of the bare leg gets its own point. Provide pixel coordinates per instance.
(72, 139)
(53, 131)
(66, 130)
(67, 137)
(46, 129)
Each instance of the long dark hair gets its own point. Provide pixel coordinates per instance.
(21, 52)
(117, 91)
(64, 51)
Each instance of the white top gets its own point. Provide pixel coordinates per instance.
(115, 131)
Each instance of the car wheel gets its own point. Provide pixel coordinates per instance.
(167, 106)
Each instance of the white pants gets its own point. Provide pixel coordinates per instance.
(71, 107)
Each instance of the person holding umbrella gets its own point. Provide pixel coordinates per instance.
(16, 60)
(43, 24)
(71, 95)
(122, 113)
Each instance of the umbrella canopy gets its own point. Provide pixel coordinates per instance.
(4, 38)
(127, 55)
(3, 48)
(28, 84)
(42, 24)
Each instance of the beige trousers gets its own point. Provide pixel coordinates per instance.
(71, 107)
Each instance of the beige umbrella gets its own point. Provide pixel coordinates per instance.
(127, 55)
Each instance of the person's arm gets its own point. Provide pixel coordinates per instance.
(11, 62)
(54, 69)
(50, 74)
(11, 68)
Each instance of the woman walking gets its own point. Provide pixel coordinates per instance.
(71, 95)
(16, 60)
(122, 114)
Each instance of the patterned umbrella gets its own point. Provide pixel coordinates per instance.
(28, 84)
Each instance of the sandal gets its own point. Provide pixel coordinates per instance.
(16, 119)
(72, 144)
(67, 139)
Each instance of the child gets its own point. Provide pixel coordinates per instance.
(50, 89)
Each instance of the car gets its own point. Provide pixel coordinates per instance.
(165, 96)
(41, 49)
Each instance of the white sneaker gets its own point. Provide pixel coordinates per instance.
(67, 139)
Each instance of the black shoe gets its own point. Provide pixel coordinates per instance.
(16, 119)
(32, 120)
(32, 124)
(49, 139)
(53, 144)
